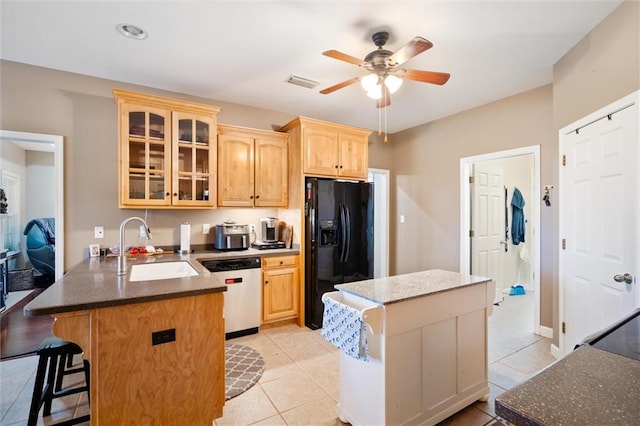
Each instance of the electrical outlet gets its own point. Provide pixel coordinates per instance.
(252, 228)
(143, 232)
(206, 228)
(98, 232)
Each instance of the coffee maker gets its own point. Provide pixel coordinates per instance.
(268, 234)
(268, 227)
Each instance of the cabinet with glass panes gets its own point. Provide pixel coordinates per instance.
(167, 152)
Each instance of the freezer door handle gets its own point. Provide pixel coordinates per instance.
(343, 229)
(348, 234)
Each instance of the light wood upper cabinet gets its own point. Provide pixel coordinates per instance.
(252, 168)
(167, 152)
(281, 288)
(329, 149)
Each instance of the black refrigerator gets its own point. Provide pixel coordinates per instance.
(338, 239)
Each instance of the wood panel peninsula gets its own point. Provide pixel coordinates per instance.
(156, 348)
(426, 347)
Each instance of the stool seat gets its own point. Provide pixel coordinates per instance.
(55, 359)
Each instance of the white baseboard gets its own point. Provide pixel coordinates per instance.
(555, 352)
(546, 332)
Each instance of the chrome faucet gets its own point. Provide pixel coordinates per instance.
(122, 258)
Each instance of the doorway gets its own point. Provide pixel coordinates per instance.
(380, 179)
(46, 143)
(521, 261)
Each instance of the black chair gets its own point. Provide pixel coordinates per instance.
(55, 362)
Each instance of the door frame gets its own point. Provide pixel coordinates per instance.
(562, 133)
(465, 220)
(381, 233)
(47, 143)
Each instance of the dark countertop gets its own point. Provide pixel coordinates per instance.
(93, 283)
(408, 286)
(587, 387)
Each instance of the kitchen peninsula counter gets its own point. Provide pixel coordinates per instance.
(155, 348)
(425, 355)
(93, 283)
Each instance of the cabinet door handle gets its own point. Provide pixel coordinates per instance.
(166, 194)
(336, 166)
(340, 165)
(251, 197)
(175, 194)
(266, 282)
(257, 196)
(281, 262)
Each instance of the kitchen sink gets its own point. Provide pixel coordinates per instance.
(161, 271)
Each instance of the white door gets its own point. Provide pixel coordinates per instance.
(599, 224)
(488, 224)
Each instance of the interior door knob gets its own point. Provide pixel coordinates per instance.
(626, 278)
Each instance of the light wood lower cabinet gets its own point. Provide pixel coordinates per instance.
(133, 380)
(280, 288)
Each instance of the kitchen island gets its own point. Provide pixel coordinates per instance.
(156, 348)
(426, 346)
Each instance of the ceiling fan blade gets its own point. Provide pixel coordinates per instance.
(344, 57)
(385, 100)
(409, 50)
(339, 86)
(424, 76)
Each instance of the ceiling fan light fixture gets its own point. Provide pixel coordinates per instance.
(369, 82)
(393, 83)
(375, 92)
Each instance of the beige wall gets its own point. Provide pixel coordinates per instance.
(426, 179)
(82, 109)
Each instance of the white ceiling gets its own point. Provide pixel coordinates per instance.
(243, 52)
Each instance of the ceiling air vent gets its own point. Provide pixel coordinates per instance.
(301, 81)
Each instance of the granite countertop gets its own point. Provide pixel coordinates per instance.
(587, 387)
(93, 283)
(408, 286)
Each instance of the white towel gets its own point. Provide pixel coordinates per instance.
(343, 327)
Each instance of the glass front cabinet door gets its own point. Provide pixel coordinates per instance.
(146, 154)
(167, 152)
(194, 159)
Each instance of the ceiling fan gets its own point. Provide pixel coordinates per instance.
(384, 67)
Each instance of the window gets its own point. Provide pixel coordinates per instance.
(10, 223)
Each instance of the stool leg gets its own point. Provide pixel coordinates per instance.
(87, 378)
(36, 399)
(60, 372)
(51, 377)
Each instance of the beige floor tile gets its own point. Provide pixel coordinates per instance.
(278, 365)
(470, 416)
(326, 373)
(531, 359)
(320, 412)
(276, 420)
(293, 390)
(247, 408)
(504, 376)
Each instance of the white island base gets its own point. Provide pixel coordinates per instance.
(428, 356)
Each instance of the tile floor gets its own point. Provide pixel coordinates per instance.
(300, 382)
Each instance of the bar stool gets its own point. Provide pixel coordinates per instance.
(55, 360)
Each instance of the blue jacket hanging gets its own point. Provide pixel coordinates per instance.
(517, 217)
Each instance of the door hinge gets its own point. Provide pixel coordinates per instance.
(564, 244)
(564, 160)
(471, 233)
(471, 179)
(564, 327)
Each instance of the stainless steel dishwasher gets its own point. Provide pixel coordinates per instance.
(242, 298)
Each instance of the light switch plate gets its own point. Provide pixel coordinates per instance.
(206, 228)
(98, 232)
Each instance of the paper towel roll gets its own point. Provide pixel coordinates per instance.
(185, 238)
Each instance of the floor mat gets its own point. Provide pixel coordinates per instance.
(243, 368)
